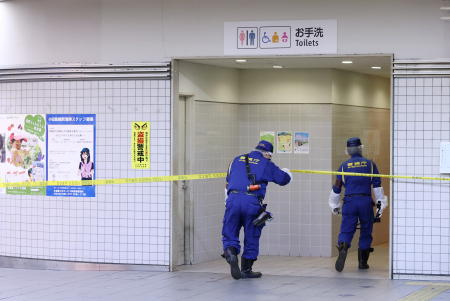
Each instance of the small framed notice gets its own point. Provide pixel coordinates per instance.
(444, 166)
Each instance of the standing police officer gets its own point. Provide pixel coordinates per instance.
(247, 179)
(358, 203)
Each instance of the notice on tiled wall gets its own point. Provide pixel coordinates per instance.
(445, 157)
(140, 145)
(71, 153)
(284, 142)
(267, 136)
(288, 141)
(22, 152)
(301, 143)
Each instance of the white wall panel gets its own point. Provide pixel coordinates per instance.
(123, 223)
(92, 31)
(421, 211)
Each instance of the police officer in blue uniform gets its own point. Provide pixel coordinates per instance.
(247, 180)
(358, 203)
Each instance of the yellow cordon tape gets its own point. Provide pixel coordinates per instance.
(323, 172)
(116, 181)
(195, 177)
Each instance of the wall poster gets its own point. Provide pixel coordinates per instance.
(284, 142)
(71, 153)
(267, 136)
(22, 151)
(301, 143)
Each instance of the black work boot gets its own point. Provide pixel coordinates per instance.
(230, 254)
(340, 261)
(246, 269)
(363, 256)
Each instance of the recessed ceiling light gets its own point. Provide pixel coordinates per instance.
(376, 67)
(347, 62)
(277, 67)
(241, 61)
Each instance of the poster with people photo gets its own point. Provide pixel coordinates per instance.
(22, 152)
(71, 153)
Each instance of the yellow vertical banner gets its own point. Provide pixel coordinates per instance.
(140, 145)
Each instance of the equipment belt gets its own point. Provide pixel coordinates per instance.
(244, 192)
(358, 194)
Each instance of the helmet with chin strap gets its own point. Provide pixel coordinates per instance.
(354, 146)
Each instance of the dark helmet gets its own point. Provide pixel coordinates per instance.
(265, 146)
(354, 141)
(354, 146)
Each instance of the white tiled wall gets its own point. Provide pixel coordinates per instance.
(421, 210)
(302, 224)
(123, 223)
(216, 138)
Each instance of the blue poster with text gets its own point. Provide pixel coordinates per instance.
(71, 153)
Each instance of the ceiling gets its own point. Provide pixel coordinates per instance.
(361, 64)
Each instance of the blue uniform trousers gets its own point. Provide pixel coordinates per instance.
(241, 210)
(354, 208)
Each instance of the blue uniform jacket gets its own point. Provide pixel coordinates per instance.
(265, 171)
(355, 185)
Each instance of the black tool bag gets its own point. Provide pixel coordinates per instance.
(263, 215)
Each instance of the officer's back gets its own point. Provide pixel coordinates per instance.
(263, 170)
(354, 184)
(247, 179)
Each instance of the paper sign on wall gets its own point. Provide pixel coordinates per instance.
(444, 166)
(301, 143)
(284, 142)
(267, 136)
(140, 145)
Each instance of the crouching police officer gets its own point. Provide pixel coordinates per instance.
(247, 179)
(358, 203)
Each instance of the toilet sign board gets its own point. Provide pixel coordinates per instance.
(280, 37)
